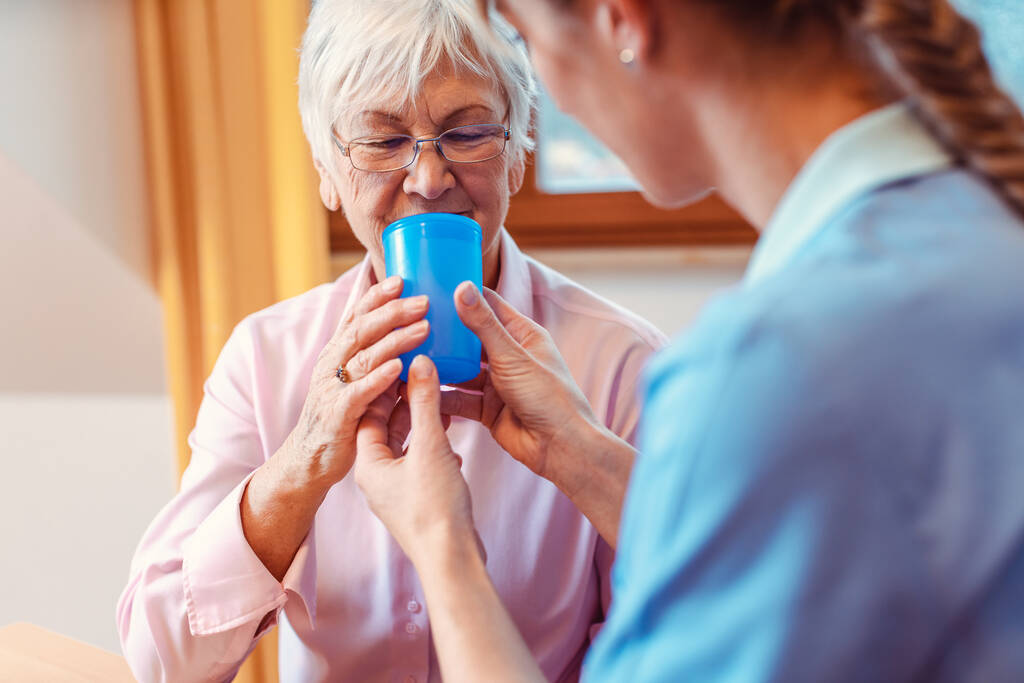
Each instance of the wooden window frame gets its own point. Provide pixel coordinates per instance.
(601, 219)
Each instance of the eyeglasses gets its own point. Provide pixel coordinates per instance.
(462, 145)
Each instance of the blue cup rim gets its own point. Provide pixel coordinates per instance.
(452, 219)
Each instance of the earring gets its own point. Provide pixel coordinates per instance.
(626, 56)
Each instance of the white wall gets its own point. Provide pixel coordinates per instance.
(85, 420)
(70, 118)
(668, 286)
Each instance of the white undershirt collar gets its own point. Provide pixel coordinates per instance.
(876, 149)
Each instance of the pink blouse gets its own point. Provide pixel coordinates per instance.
(350, 607)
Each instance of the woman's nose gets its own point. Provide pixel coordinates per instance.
(430, 175)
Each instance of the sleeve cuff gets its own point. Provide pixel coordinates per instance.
(226, 584)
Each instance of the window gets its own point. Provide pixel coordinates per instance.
(570, 160)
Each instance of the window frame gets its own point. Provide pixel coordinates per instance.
(537, 219)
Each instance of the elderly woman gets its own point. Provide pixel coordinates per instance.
(410, 106)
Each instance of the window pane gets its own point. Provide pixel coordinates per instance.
(570, 160)
(1002, 25)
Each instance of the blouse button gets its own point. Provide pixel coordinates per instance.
(413, 606)
(411, 628)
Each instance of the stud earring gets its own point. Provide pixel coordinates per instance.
(626, 56)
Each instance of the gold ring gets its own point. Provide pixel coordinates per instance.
(342, 374)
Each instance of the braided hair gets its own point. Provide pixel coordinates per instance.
(933, 55)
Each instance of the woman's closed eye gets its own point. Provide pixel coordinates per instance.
(466, 138)
(384, 143)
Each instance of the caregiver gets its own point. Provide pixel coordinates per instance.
(831, 459)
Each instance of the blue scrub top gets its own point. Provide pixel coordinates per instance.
(831, 479)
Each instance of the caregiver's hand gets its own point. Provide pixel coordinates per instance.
(422, 497)
(537, 413)
(424, 502)
(282, 497)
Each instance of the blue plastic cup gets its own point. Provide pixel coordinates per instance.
(433, 253)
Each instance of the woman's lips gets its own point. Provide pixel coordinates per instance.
(466, 212)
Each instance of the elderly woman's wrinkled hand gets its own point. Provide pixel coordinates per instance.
(419, 494)
(359, 364)
(527, 396)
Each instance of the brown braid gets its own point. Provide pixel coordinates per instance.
(936, 57)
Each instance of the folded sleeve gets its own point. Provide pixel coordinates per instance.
(198, 598)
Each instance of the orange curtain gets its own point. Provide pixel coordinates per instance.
(237, 221)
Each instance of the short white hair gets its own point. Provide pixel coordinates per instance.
(357, 53)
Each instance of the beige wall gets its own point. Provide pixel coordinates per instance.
(85, 421)
(668, 286)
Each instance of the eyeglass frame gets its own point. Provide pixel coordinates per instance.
(345, 152)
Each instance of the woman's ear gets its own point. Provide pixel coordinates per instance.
(627, 25)
(329, 194)
(516, 173)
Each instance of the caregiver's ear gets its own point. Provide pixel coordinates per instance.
(328, 190)
(516, 173)
(626, 24)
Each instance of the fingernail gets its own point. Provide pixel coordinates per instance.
(469, 295)
(392, 284)
(417, 303)
(421, 367)
(419, 327)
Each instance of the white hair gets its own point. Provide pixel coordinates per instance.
(357, 53)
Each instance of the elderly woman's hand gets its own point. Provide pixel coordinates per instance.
(281, 500)
(422, 497)
(366, 344)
